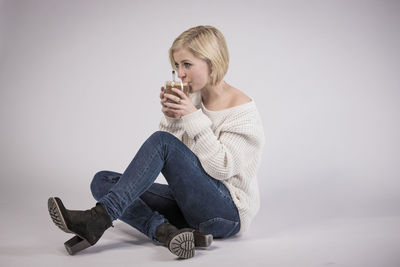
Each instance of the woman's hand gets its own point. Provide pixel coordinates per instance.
(164, 108)
(183, 104)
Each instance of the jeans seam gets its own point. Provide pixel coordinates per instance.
(195, 162)
(172, 144)
(144, 171)
(227, 197)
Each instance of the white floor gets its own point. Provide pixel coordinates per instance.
(28, 238)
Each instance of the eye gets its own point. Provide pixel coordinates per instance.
(187, 65)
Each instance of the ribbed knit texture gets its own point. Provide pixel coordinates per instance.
(229, 145)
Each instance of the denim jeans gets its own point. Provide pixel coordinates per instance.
(192, 198)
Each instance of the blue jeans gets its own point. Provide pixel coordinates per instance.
(192, 198)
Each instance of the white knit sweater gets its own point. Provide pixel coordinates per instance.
(228, 144)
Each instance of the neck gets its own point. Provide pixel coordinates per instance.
(212, 93)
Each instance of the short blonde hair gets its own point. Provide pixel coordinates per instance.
(207, 43)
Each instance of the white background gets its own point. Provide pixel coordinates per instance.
(79, 86)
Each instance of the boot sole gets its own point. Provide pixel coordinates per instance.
(74, 244)
(56, 215)
(182, 244)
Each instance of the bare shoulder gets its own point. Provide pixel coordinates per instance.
(239, 98)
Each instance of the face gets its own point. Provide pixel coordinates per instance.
(191, 69)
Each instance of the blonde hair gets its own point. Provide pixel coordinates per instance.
(207, 43)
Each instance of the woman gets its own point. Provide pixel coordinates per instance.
(208, 149)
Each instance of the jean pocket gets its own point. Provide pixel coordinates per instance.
(219, 227)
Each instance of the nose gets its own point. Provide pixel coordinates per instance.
(181, 73)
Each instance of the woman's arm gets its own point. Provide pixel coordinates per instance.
(171, 125)
(240, 140)
(175, 125)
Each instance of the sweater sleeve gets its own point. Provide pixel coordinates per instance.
(175, 126)
(224, 156)
(172, 125)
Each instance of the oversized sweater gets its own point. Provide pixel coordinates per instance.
(228, 144)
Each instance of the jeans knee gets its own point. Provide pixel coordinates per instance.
(161, 136)
(96, 185)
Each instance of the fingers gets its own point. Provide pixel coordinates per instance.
(169, 108)
(168, 103)
(169, 113)
(162, 92)
(173, 98)
(180, 93)
(172, 106)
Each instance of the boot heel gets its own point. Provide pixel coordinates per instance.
(76, 244)
(202, 240)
